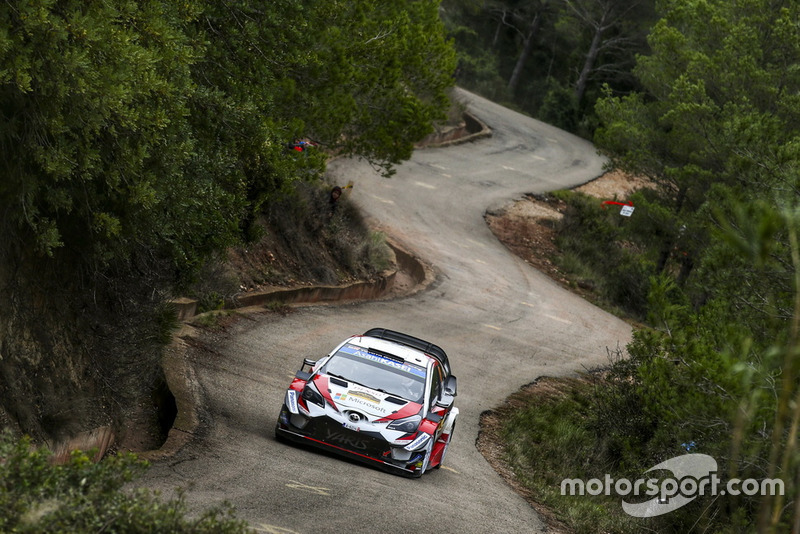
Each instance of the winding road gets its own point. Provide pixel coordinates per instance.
(502, 323)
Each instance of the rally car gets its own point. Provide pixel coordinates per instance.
(384, 397)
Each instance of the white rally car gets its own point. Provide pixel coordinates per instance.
(383, 397)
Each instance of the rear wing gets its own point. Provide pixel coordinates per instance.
(413, 342)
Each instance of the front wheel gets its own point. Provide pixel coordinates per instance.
(446, 446)
(426, 460)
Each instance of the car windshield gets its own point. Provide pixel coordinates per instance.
(377, 371)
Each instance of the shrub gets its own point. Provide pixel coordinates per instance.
(82, 497)
(596, 250)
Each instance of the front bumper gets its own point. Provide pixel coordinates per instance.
(328, 434)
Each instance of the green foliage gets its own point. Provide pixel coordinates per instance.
(600, 249)
(559, 107)
(719, 375)
(401, 69)
(548, 58)
(715, 260)
(144, 125)
(140, 140)
(551, 437)
(82, 496)
(94, 139)
(706, 132)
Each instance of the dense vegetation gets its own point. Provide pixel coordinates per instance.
(710, 260)
(82, 496)
(139, 142)
(549, 58)
(140, 139)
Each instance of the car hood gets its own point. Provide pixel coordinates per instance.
(370, 402)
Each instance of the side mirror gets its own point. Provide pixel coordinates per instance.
(445, 401)
(450, 386)
(304, 374)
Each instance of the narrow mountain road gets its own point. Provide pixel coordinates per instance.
(502, 323)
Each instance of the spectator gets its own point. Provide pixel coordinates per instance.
(333, 201)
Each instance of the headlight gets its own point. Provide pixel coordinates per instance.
(310, 394)
(407, 425)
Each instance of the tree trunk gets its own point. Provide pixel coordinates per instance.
(588, 65)
(527, 47)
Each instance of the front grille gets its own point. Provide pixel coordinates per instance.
(330, 431)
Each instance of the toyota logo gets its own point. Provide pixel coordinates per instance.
(354, 417)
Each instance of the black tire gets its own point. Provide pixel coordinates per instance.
(446, 446)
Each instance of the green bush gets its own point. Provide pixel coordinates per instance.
(551, 437)
(560, 107)
(82, 497)
(598, 251)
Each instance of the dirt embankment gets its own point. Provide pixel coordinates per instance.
(528, 226)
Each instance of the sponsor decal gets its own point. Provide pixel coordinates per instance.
(420, 440)
(361, 398)
(291, 401)
(367, 404)
(351, 426)
(364, 395)
(363, 353)
(344, 439)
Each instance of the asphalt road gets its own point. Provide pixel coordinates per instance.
(502, 323)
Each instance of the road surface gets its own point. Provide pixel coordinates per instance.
(502, 323)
